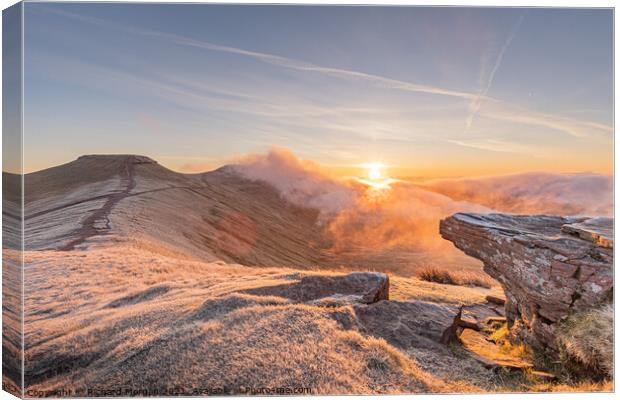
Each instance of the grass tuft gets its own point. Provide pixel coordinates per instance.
(459, 278)
(432, 274)
(588, 337)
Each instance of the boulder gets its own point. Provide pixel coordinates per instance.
(494, 320)
(406, 324)
(359, 287)
(548, 266)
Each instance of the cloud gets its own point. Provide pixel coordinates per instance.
(535, 193)
(477, 101)
(301, 182)
(511, 113)
(404, 217)
(364, 222)
(496, 145)
(357, 218)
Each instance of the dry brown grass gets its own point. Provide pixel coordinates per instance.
(578, 387)
(460, 278)
(475, 279)
(432, 274)
(527, 381)
(271, 346)
(588, 338)
(417, 289)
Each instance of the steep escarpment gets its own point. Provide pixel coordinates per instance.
(549, 267)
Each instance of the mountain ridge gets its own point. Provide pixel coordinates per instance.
(216, 215)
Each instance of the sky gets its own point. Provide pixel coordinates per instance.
(428, 92)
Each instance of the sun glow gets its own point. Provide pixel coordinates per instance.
(374, 171)
(376, 176)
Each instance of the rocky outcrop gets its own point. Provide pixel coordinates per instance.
(549, 267)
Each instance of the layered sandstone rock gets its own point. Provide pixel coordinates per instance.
(548, 266)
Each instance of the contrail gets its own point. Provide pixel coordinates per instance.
(477, 101)
(276, 60)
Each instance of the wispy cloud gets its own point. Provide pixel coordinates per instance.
(576, 128)
(335, 72)
(494, 108)
(280, 61)
(496, 145)
(477, 101)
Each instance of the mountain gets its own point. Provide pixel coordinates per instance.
(210, 216)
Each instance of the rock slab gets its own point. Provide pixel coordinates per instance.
(548, 266)
(363, 287)
(406, 324)
(488, 353)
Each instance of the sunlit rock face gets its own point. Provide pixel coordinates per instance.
(548, 266)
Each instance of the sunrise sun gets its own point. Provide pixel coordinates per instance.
(374, 171)
(376, 176)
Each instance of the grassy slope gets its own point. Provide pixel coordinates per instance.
(137, 319)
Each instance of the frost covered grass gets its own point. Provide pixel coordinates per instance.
(588, 337)
(127, 317)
